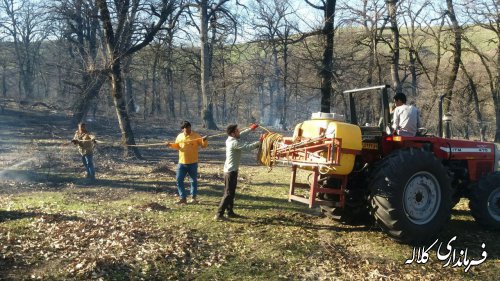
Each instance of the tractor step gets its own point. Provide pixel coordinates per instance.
(316, 201)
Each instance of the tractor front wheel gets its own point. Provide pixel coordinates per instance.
(411, 195)
(484, 201)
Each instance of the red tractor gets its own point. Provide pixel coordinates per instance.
(408, 185)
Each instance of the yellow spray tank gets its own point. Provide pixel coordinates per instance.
(331, 125)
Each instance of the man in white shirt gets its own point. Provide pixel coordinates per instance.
(234, 149)
(406, 120)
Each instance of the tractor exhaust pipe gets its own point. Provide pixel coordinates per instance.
(446, 118)
(447, 125)
(440, 117)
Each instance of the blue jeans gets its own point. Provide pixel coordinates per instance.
(192, 171)
(89, 166)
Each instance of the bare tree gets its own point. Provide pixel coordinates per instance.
(4, 65)
(267, 20)
(326, 73)
(370, 15)
(274, 25)
(25, 22)
(430, 61)
(457, 49)
(392, 9)
(413, 41)
(208, 11)
(118, 38)
(486, 14)
(80, 27)
(168, 70)
(474, 97)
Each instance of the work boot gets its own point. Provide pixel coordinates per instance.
(233, 215)
(219, 217)
(193, 200)
(181, 201)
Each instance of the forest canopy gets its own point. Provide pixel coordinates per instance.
(273, 62)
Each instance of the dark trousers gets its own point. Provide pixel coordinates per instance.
(227, 202)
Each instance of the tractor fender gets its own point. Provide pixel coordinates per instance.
(497, 157)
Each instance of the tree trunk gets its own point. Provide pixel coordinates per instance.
(496, 91)
(206, 70)
(285, 85)
(121, 111)
(170, 101)
(92, 86)
(272, 89)
(457, 48)
(61, 87)
(260, 89)
(4, 81)
(392, 10)
(326, 72)
(496, 99)
(223, 116)
(413, 73)
(129, 91)
(155, 103)
(475, 99)
(116, 83)
(144, 84)
(371, 55)
(169, 75)
(275, 89)
(27, 82)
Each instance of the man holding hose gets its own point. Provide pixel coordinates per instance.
(234, 149)
(86, 144)
(187, 143)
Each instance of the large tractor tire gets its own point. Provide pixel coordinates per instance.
(484, 201)
(347, 215)
(355, 211)
(411, 195)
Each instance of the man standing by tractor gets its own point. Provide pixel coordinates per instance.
(86, 143)
(406, 120)
(234, 149)
(187, 143)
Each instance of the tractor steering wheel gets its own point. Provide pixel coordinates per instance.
(422, 131)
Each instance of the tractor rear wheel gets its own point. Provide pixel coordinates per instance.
(484, 201)
(410, 195)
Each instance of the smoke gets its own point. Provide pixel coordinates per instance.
(12, 173)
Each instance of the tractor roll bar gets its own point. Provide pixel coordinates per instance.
(384, 98)
(366, 89)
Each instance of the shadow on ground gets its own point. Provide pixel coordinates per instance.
(18, 215)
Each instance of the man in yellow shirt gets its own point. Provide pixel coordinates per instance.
(188, 143)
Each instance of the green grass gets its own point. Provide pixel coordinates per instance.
(276, 240)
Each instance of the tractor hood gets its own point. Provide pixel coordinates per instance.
(497, 156)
